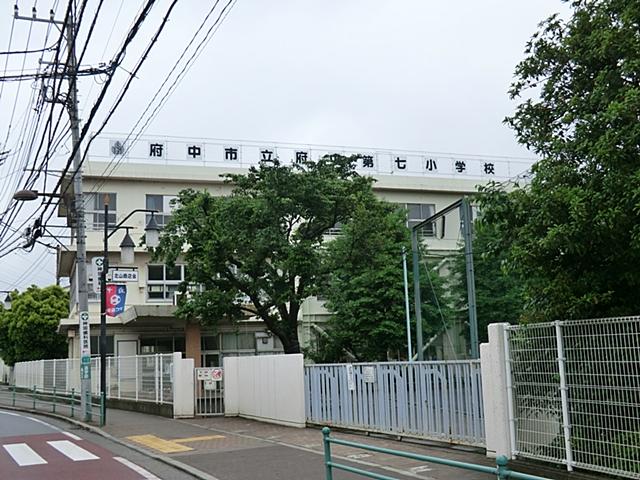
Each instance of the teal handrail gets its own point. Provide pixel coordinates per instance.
(500, 469)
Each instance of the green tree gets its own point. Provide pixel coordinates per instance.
(573, 232)
(499, 292)
(29, 329)
(364, 288)
(259, 251)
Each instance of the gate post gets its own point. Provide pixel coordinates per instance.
(183, 386)
(496, 392)
(564, 395)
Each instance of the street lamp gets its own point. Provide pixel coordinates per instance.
(152, 239)
(7, 299)
(30, 195)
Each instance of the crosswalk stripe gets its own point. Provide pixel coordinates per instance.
(72, 451)
(23, 454)
(72, 436)
(147, 475)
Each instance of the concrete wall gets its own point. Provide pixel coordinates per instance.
(183, 387)
(269, 388)
(495, 393)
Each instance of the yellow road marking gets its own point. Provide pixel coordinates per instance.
(164, 446)
(197, 439)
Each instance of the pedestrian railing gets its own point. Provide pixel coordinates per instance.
(62, 403)
(500, 470)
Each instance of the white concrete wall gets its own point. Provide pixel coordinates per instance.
(495, 393)
(269, 388)
(5, 372)
(183, 387)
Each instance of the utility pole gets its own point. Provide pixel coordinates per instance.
(406, 304)
(466, 217)
(416, 291)
(81, 247)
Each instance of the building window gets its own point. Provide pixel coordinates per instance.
(417, 212)
(335, 230)
(209, 343)
(161, 203)
(94, 210)
(163, 281)
(95, 344)
(149, 345)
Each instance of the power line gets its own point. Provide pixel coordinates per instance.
(198, 50)
(117, 59)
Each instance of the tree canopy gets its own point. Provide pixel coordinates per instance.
(499, 292)
(259, 251)
(364, 288)
(28, 330)
(572, 234)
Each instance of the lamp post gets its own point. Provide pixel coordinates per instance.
(152, 239)
(7, 300)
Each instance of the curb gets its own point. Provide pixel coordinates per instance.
(199, 474)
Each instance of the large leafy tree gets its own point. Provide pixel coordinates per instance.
(28, 330)
(259, 251)
(573, 232)
(364, 288)
(499, 291)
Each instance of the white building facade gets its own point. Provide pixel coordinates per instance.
(153, 170)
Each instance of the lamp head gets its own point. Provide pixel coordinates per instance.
(127, 249)
(152, 233)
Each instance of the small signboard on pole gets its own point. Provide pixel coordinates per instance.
(85, 347)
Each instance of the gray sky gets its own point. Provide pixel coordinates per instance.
(422, 74)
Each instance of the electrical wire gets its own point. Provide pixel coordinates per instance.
(114, 163)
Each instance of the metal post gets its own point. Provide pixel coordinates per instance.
(564, 395)
(73, 401)
(34, 397)
(466, 218)
(406, 303)
(510, 394)
(503, 471)
(161, 382)
(54, 399)
(103, 408)
(416, 293)
(103, 298)
(13, 401)
(156, 379)
(326, 431)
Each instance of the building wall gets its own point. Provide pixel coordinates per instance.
(132, 183)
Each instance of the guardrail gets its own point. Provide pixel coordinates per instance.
(63, 403)
(500, 469)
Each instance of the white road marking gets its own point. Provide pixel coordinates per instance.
(44, 423)
(73, 451)
(420, 469)
(10, 413)
(72, 436)
(136, 468)
(23, 454)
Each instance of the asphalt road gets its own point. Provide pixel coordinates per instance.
(33, 447)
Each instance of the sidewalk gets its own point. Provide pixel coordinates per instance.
(239, 449)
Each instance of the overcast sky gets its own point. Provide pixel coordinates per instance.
(422, 74)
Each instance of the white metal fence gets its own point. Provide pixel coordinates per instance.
(436, 400)
(575, 393)
(147, 378)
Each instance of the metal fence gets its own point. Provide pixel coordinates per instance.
(146, 378)
(575, 393)
(67, 404)
(435, 400)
